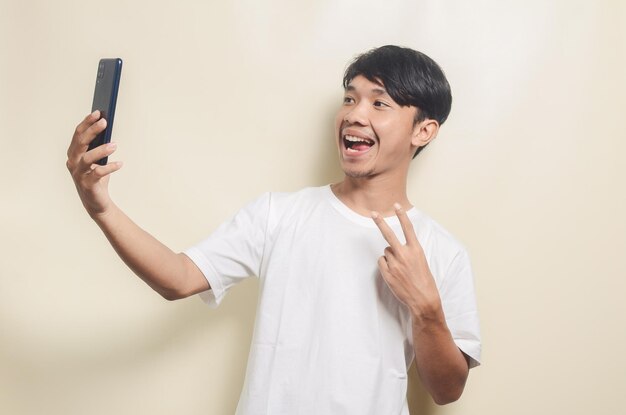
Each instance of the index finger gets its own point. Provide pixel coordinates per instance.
(85, 132)
(407, 225)
(87, 121)
(387, 232)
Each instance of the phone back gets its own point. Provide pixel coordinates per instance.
(105, 98)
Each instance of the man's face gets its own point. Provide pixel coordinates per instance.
(374, 133)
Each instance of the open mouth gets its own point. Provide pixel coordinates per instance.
(355, 144)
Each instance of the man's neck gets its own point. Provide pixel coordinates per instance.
(364, 195)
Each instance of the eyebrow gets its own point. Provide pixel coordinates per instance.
(375, 91)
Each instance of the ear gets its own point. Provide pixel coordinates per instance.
(424, 132)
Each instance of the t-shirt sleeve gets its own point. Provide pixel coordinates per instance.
(459, 305)
(234, 251)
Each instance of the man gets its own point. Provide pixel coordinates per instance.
(355, 283)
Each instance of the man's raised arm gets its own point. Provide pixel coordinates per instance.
(170, 274)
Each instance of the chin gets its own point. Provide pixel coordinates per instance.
(357, 174)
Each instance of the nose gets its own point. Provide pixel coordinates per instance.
(357, 114)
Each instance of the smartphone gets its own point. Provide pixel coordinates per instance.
(105, 98)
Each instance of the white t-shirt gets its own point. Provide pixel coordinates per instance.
(330, 337)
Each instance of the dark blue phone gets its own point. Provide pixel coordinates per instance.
(105, 98)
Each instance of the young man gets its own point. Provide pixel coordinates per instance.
(355, 283)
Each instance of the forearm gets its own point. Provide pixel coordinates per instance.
(442, 367)
(165, 271)
(171, 275)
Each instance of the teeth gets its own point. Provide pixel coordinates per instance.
(354, 139)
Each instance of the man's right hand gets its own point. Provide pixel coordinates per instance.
(171, 275)
(91, 179)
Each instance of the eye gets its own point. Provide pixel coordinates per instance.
(380, 104)
(348, 100)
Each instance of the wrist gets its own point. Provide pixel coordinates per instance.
(104, 216)
(428, 315)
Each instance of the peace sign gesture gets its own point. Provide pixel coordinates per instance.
(405, 269)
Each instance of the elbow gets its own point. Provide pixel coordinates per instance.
(447, 396)
(444, 400)
(174, 289)
(187, 281)
(172, 294)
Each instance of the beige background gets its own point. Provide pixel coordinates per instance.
(221, 101)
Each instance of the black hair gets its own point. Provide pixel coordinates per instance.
(410, 77)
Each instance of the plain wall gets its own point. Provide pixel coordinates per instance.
(221, 101)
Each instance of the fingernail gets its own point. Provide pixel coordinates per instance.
(112, 146)
(374, 215)
(94, 113)
(397, 206)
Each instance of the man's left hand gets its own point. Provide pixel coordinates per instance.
(405, 269)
